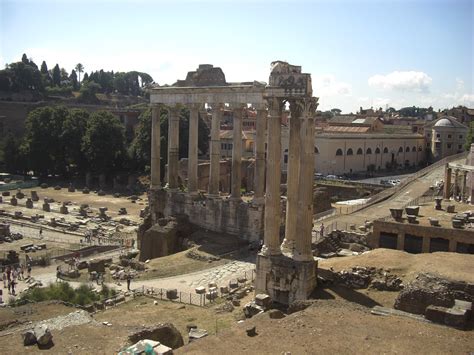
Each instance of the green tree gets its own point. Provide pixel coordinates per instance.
(87, 93)
(44, 68)
(72, 135)
(24, 59)
(56, 75)
(12, 154)
(73, 79)
(104, 142)
(80, 69)
(469, 137)
(45, 151)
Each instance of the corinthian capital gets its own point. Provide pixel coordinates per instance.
(275, 104)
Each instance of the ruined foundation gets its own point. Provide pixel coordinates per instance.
(284, 279)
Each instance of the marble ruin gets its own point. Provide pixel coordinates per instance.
(286, 270)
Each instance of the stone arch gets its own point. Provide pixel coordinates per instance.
(350, 151)
(413, 149)
(385, 150)
(359, 151)
(368, 151)
(316, 150)
(339, 152)
(400, 150)
(377, 150)
(407, 149)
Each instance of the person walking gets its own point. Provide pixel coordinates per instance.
(29, 269)
(321, 230)
(129, 280)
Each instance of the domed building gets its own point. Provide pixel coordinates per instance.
(445, 136)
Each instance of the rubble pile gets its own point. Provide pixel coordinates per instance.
(340, 243)
(432, 290)
(360, 277)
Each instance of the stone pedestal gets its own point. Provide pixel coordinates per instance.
(284, 279)
(29, 203)
(34, 196)
(63, 209)
(46, 207)
(13, 201)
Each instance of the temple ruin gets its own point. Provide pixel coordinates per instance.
(286, 269)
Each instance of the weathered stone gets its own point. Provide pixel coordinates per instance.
(85, 190)
(224, 289)
(459, 304)
(29, 337)
(450, 208)
(165, 333)
(251, 331)
(46, 207)
(428, 290)
(34, 196)
(6, 193)
(276, 314)
(196, 333)
(13, 201)
(456, 318)
(251, 309)
(263, 300)
(101, 193)
(43, 335)
(233, 283)
(20, 194)
(200, 290)
(172, 294)
(412, 210)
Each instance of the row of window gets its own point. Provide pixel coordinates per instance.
(226, 146)
(377, 150)
(438, 135)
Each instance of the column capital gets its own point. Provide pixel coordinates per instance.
(216, 105)
(260, 106)
(237, 106)
(275, 104)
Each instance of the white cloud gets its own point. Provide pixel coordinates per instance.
(459, 84)
(402, 81)
(328, 85)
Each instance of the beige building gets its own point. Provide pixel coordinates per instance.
(226, 139)
(445, 136)
(340, 153)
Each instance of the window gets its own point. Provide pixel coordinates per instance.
(368, 151)
(349, 152)
(438, 135)
(339, 152)
(449, 145)
(385, 150)
(449, 136)
(413, 149)
(400, 150)
(460, 136)
(377, 151)
(316, 150)
(359, 151)
(460, 146)
(420, 149)
(407, 149)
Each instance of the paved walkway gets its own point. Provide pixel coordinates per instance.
(410, 192)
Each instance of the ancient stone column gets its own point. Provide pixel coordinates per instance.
(447, 182)
(273, 177)
(304, 226)
(463, 185)
(259, 178)
(238, 110)
(155, 147)
(292, 181)
(193, 149)
(173, 146)
(455, 187)
(215, 155)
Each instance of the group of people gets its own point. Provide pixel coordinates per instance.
(11, 274)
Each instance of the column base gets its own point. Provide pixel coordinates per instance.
(288, 247)
(302, 257)
(285, 280)
(266, 251)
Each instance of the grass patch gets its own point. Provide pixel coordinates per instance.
(62, 291)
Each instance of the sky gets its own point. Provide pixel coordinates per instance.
(359, 53)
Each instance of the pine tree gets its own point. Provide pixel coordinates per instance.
(56, 76)
(44, 68)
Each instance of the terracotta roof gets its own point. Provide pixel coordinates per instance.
(346, 129)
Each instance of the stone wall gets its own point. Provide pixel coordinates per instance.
(220, 215)
(454, 237)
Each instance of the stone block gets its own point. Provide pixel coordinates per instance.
(263, 300)
(460, 304)
(434, 222)
(212, 284)
(450, 209)
(20, 195)
(456, 318)
(251, 309)
(13, 201)
(412, 210)
(63, 209)
(435, 314)
(411, 218)
(85, 190)
(29, 337)
(43, 335)
(196, 333)
(224, 289)
(34, 196)
(57, 187)
(457, 223)
(396, 213)
(6, 193)
(172, 294)
(46, 207)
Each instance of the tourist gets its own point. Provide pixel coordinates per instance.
(9, 274)
(22, 271)
(58, 273)
(29, 269)
(129, 279)
(321, 230)
(4, 277)
(13, 283)
(41, 231)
